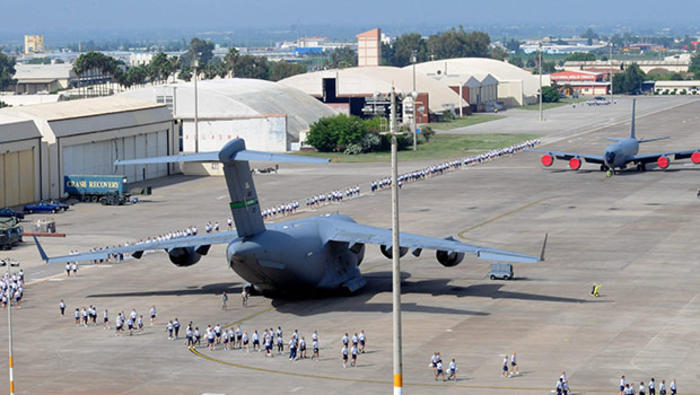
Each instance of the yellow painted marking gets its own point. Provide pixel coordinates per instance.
(248, 317)
(398, 380)
(488, 221)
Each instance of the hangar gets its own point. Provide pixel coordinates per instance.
(349, 90)
(516, 87)
(20, 144)
(87, 136)
(268, 115)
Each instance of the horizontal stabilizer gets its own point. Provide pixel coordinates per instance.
(198, 157)
(655, 139)
(243, 155)
(273, 157)
(613, 138)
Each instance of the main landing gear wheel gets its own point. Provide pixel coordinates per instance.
(609, 173)
(641, 167)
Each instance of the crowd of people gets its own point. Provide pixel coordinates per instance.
(12, 288)
(281, 210)
(628, 388)
(439, 370)
(87, 316)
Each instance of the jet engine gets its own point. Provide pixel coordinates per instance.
(575, 163)
(187, 256)
(663, 161)
(387, 251)
(695, 157)
(547, 160)
(449, 259)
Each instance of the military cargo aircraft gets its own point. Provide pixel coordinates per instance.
(321, 252)
(618, 155)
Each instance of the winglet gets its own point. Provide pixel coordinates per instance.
(41, 250)
(544, 245)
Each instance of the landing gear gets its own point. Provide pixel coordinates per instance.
(603, 168)
(641, 167)
(609, 173)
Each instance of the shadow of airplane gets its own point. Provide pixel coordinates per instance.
(209, 289)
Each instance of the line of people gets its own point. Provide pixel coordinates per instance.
(628, 388)
(281, 210)
(12, 288)
(86, 316)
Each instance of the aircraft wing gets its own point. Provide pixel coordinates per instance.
(568, 155)
(357, 233)
(649, 158)
(136, 250)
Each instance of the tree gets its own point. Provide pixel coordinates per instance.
(694, 66)
(230, 60)
(282, 69)
(249, 66)
(7, 71)
(158, 67)
(403, 48)
(498, 52)
(580, 57)
(512, 45)
(590, 35)
(198, 49)
(340, 58)
(550, 94)
(630, 81)
(95, 61)
(458, 44)
(336, 133)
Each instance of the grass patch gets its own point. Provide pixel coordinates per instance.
(441, 146)
(464, 121)
(562, 102)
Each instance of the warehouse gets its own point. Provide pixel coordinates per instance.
(516, 87)
(87, 136)
(268, 115)
(350, 90)
(43, 78)
(20, 144)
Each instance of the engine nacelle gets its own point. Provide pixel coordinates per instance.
(547, 160)
(695, 157)
(575, 163)
(449, 259)
(663, 161)
(387, 251)
(184, 256)
(359, 251)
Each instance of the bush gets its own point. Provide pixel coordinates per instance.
(336, 133)
(550, 94)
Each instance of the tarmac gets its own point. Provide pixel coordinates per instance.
(634, 233)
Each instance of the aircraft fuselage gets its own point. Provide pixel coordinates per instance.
(617, 155)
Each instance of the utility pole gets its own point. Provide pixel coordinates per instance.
(395, 252)
(540, 62)
(611, 73)
(9, 263)
(414, 95)
(196, 121)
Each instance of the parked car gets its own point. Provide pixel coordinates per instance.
(494, 107)
(598, 101)
(10, 213)
(503, 271)
(42, 207)
(10, 237)
(62, 205)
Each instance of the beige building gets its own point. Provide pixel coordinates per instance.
(33, 43)
(43, 78)
(369, 48)
(20, 144)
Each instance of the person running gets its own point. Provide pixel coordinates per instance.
(268, 345)
(105, 319)
(210, 338)
(62, 307)
(363, 341)
(344, 355)
(189, 334)
(302, 348)
(176, 328)
(346, 340)
(217, 333)
(77, 316)
(439, 372)
(505, 367)
(245, 342)
(513, 365)
(153, 314)
(130, 325)
(433, 362)
(139, 323)
(353, 352)
(197, 336)
(452, 371)
(170, 328)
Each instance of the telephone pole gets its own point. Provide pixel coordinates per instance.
(395, 253)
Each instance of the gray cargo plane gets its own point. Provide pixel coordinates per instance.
(620, 154)
(322, 252)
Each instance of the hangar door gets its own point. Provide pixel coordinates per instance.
(98, 157)
(17, 178)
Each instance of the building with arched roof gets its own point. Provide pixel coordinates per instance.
(268, 115)
(351, 90)
(516, 87)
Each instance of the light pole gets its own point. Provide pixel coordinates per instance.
(10, 263)
(611, 73)
(414, 95)
(540, 62)
(195, 64)
(395, 252)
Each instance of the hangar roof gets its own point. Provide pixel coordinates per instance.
(15, 128)
(231, 98)
(364, 81)
(49, 72)
(502, 71)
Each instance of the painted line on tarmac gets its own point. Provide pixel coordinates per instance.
(488, 221)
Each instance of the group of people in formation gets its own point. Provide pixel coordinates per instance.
(87, 316)
(281, 210)
(359, 343)
(628, 388)
(12, 288)
(439, 370)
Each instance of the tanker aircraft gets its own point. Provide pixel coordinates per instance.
(620, 154)
(315, 253)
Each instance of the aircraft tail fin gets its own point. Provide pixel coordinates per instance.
(634, 104)
(244, 205)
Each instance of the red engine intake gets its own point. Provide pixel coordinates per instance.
(547, 160)
(575, 163)
(695, 157)
(663, 161)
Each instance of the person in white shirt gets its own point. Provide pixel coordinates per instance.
(344, 355)
(642, 389)
(652, 387)
(623, 384)
(505, 367)
(153, 314)
(452, 371)
(514, 365)
(672, 387)
(439, 372)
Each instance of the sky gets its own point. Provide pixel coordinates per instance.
(73, 17)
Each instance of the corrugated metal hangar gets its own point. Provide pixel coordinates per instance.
(82, 137)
